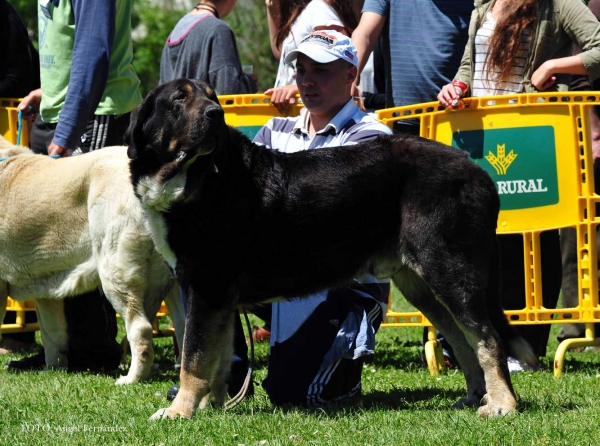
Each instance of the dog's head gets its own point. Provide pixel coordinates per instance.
(177, 122)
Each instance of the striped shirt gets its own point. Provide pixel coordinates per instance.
(484, 83)
(356, 335)
(349, 126)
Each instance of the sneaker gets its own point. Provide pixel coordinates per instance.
(35, 362)
(515, 366)
(172, 393)
(259, 335)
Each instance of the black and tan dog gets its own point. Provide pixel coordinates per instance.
(240, 224)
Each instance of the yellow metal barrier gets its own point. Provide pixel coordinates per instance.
(9, 129)
(20, 308)
(249, 112)
(9, 119)
(537, 149)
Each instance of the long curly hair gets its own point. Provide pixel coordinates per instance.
(289, 10)
(505, 41)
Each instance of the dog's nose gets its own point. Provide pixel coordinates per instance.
(214, 112)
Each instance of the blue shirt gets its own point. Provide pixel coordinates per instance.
(424, 41)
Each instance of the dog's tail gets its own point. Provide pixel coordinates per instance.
(8, 149)
(514, 344)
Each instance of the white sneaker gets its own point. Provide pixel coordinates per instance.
(515, 366)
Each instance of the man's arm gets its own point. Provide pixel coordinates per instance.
(364, 38)
(94, 34)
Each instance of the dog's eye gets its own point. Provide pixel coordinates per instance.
(180, 97)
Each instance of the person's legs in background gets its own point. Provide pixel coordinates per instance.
(570, 285)
(513, 283)
(23, 342)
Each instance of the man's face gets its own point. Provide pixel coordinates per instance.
(324, 87)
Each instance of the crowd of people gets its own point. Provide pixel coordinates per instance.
(81, 94)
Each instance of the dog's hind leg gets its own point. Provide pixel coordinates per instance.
(208, 336)
(53, 327)
(419, 294)
(460, 282)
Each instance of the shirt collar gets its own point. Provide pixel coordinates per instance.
(335, 125)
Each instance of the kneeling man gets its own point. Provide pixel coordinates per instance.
(318, 345)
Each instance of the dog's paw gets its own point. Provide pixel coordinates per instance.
(490, 408)
(168, 414)
(124, 380)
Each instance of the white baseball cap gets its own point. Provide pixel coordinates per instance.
(324, 47)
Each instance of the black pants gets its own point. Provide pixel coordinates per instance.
(570, 286)
(298, 373)
(513, 281)
(91, 320)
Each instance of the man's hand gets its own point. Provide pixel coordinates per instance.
(55, 149)
(282, 97)
(30, 104)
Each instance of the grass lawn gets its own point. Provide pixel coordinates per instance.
(401, 405)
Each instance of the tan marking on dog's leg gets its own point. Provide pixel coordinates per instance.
(53, 328)
(500, 398)
(193, 388)
(200, 370)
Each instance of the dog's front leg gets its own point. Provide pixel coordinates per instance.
(208, 336)
(53, 327)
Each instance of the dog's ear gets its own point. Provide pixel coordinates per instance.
(134, 136)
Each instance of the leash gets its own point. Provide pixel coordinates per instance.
(237, 399)
(20, 122)
(19, 126)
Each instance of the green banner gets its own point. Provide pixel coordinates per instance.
(521, 161)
